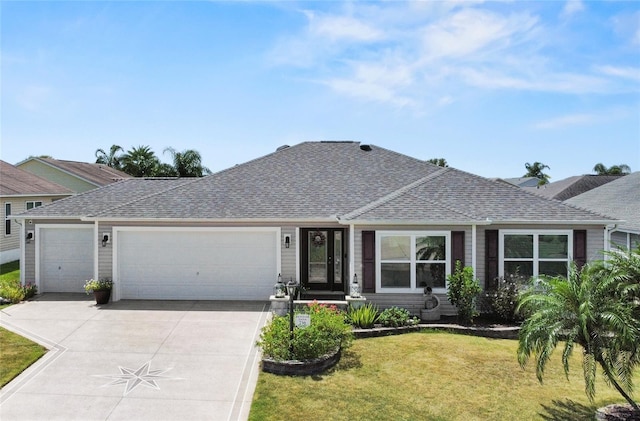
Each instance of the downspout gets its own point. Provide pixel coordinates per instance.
(96, 250)
(23, 246)
(352, 250)
(608, 229)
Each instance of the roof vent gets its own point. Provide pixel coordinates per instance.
(282, 147)
(366, 148)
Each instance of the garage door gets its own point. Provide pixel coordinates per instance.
(65, 258)
(204, 265)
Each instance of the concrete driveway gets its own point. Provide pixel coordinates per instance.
(135, 360)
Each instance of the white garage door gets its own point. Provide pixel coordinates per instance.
(201, 265)
(66, 258)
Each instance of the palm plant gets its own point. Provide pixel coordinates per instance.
(187, 163)
(621, 169)
(140, 162)
(536, 170)
(585, 309)
(111, 159)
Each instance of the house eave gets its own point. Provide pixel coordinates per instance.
(288, 221)
(554, 222)
(410, 222)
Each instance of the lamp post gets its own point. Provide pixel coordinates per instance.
(291, 289)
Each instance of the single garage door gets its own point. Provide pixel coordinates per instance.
(65, 258)
(196, 265)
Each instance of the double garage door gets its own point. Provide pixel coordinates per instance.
(196, 264)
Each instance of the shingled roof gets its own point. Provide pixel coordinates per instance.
(321, 181)
(572, 186)
(17, 182)
(96, 174)
(619, 199)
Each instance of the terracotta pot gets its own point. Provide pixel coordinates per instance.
(102, 295)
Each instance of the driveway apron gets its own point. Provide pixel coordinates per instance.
(135, 360)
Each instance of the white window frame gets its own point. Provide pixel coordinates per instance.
(412, 261)
(536, 257)
(34, 202)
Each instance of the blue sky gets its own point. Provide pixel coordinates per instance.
(488, 86)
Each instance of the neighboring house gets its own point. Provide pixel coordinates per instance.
(76, 176)
(21, 191)
(572, 186)
(523, 181)
(619, 199)
(319, 213)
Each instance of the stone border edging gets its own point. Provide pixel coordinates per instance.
(301, 368)
(486, 332)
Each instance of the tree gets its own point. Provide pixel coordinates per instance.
(591, 308)
(187, 163)
(441, 162)
(111, 159)
(536, 170)
(621, 169)
(140, 162)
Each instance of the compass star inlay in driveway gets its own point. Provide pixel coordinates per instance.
(133, 378)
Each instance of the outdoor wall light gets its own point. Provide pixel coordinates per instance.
(29, 236)
(279, 289)
(287, 241)
(355, 287)
(105, 239)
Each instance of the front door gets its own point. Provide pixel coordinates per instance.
(323, 255)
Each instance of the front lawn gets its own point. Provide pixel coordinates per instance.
(16, 354)
(430, 376)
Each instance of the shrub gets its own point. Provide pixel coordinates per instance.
(504, 299)
(30, 290)
(91, 285)
(463, 292)
(328, 332)
(363, 317)
(11, 290)
(395, 317)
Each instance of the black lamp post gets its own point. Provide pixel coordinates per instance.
(291, 289)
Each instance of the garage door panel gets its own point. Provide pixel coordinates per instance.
(197, 265)
(66, 258)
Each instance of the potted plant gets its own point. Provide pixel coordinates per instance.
(101, 289)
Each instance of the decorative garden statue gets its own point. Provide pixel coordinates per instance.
(431, 310)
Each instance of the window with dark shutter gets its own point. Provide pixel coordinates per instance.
(368, 261)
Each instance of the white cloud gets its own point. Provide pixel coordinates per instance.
(571, 7)
(632, 73)
(581, 119)
(341, 28)
(470, 31)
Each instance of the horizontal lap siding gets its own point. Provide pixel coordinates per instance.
(412, 302)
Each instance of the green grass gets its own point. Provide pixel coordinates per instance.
(16, 354)
(10, 271)
(430, 376)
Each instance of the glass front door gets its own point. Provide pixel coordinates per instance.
(323, 259)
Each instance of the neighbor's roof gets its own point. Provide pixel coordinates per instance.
(619, 199)
(96, 174)
(321, 181)
(572, 186)
(17, 182)
(523, 181)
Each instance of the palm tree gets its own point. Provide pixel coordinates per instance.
(140, 162)
(441, 162)
(536, 170)
(111, 159)
(585, 309)
(187, 163)
(621, 169)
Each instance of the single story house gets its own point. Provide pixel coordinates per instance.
(619, 199)
(572, 186)
(319, 213)
(21, 191)
(76, 176)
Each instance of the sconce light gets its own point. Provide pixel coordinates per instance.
(105, 239)
(287, 241)
(29, 237)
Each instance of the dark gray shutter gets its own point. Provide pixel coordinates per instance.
(368, 261)
(491, 258)
(580, 247)
(457, 248)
